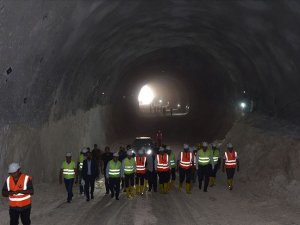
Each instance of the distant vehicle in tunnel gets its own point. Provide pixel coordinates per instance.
(145, 142)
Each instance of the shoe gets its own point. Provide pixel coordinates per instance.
(92, 196)
(149, 190)
(128, 192)
(204, 190)
(137, 189)
(180, 188)
(107, 192)
(68, 201)
(161, 188)
(211, 181)
(112, 195)
(200, 186)
(117, 198)
(87, 199)
(188, 188)
(165, 191)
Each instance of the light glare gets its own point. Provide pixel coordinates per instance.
(146, 95)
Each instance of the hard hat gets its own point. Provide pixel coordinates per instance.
(168, 148)
(129, 152)
(141, 152)
(161, 149)
(204, 144)
(13, 167)
(116, 154)
(229, 145)
(214, 145)
(186, 146)
(68, 154)
(84, 151)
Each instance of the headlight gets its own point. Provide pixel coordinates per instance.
(149, 151)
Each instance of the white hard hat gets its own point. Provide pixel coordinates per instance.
(214, 145)
(161, 149)
(13, 167)
(186, 146)
(84, 151)
(129, 152)
(229, 145)
(141, 152)
(68, 154)
(168, 147)
(204, 144)
(116, 154)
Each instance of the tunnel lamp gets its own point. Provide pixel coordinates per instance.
(146, 95)
(178, 105)
(243, 105)
(149, 151)
(160, 101)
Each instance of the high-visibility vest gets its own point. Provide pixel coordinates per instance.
(185, 160)
(114, 169)
(128, 166)
(172, 160)
(140, 164)
(163, 163)
(230, 159)
(18, 200)
(69, 170)
(204, 157)
(81, 159)
(216, 155)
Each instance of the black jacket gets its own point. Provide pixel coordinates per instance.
(94, 169)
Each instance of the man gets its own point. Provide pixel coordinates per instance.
(173, 166)
(140, 161)
(185, 158)
(159, 138)
(230, 163)
(18, 187)
(204, 165)
(194, 174)
(163, 170)
(96, 155)
(150, 171)
(106, 157)
(82, 157)
(69, 172)
(217, 162)
(114, 172)
(122, 156)
(90, 172)
(129, 167)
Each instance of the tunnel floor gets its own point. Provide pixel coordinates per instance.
(217, 206)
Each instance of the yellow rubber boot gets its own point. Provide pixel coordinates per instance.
(137, 189)
(231, 184)
(146, 185)
(165, 188)
(131, 191)
(169, 186)
(211, 181)
(172, 183)
(180, 188)
(161, 188)
(188, 188)
(215, 179)
(128, 192)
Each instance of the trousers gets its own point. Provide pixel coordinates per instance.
(185, 175)
(69, 187)
(129, 180)
(23, 213)
(164, 177)
(114, 186)
(89, 183)
(152, 180)
(204, 173)
(139, 179)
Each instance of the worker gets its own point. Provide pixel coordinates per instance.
(185, 158)
(96, 155)
(122, 156)
(19, 189)
(230, 163)
(159, 138)
(90, 171)
(129, 167)
(194, 163)
(106, 157)
(173, 166)
(151, 172)
(217, 164)
(82, 157)
(163, 170)
(114, 172)
(140, 160)
(68, 172)
(204, 165)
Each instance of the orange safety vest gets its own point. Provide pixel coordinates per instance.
(140, 164)
(18, 200)
(230, 159)
(185, 160)
(162, 163)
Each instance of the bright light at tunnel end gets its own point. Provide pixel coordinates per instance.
(243, 105)
(146, 95)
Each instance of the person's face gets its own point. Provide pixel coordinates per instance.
(89, 155)
(15, 175)
(186, 149)
(129, 156)
(95, 146)
(107, 150)
(115, 158)
(68, 158)
(204, 148)
(230, 149)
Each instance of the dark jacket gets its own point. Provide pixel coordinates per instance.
(94, 169)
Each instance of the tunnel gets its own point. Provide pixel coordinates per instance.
(71, 73)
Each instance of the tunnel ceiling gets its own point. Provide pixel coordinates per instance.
(64, 54)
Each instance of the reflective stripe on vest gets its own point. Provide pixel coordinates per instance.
(81, 159)
(185, 160)
(230, 159)
(204, 157)
(140, 164)
(69, 170)
(162, 163)
(18, 200)
(172, 160)
(128, 166)
(216, 155)
(114, 169)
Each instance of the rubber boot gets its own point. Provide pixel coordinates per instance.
(161, 188)
(180, 188)
(169, 186)
(211, 181)
(137, 190)
(214, 180)
(166, 188)
(231, 184)
(172, 183)
(146, 185)
(128, 192)
(188, 188)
